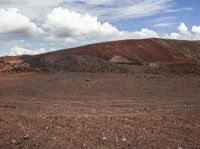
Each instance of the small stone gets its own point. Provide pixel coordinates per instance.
(14, 141)
(104, 138)
(124, 139)
(26, 136)
(116, 140)
(87, 79)
(151, 76)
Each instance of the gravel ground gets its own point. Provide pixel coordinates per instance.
(103, 111)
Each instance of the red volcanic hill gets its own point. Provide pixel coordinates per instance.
(147, 50)
(102, 57)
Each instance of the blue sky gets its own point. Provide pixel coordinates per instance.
(33, 27)
(187, 11)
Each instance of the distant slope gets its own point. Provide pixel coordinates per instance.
(101, 57)
(191, 49)
(148, 50)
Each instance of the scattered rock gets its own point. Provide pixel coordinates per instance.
(125, 60)
(26, 137)
(116, 139)
(14, 141)
(8, 106)
(151, 76)
(87, 79)
(124, 139)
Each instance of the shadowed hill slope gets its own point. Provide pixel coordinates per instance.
(191, 49)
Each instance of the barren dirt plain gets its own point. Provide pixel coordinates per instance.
(80, 99)
(74, 110)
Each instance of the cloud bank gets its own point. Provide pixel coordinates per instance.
(184, 33)
(13, 22)
(23, 51)
(74, 27)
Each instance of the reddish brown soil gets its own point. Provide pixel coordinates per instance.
(88, 110)
(116, 106)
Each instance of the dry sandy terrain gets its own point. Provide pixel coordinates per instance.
(88, 110)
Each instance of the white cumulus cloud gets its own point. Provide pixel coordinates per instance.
(13, 22)
(185, 33)
(196, 29)
(72, 26)
(23, 51)
(183, 29)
